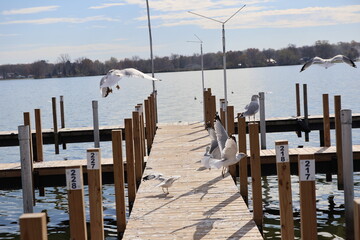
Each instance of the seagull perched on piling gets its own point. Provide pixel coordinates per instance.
(252, 108)
(227, 147)
(328, 62)
(165, 182)
(114, 75)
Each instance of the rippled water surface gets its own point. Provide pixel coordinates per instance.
(179, 99)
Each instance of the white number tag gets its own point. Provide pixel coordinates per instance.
(307, 170)
(73, 179)
(93, 160)
(282, 153)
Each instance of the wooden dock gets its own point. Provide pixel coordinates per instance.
(201, 204)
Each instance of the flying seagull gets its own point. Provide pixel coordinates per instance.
(114, 75)
(227, 147)
(165, 182)
(213, 150)
(328, 62)
(252, 108)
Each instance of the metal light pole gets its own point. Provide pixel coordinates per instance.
(202, 72)
(151, 49)
(224, 55)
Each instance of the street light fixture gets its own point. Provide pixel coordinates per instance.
(202, 70)
(224, 54)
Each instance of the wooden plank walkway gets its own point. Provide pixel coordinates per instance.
(201, 204)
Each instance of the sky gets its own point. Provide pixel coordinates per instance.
(96, 29)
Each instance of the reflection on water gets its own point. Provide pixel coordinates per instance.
(179, 99)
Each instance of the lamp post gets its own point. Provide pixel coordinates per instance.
(202, 71)
(151, 49)
(224, 55)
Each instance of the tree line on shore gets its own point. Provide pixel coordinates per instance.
(251, 57)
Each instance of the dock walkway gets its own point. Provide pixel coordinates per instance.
(201, 204)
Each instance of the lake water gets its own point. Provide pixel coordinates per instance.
(179, 99)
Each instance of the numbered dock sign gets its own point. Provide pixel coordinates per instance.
(73, 179)
(282, 153)
(93, 161)
(307, 170)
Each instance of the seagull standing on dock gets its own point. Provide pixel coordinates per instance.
(252, 108)
(328, 62)
(114, 75)
(165, 182)
(227, 147)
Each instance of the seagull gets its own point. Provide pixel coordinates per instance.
(252, 108)
(328, 62)
(165, 182)
(213, 150)
(227, 147)
(114, 75)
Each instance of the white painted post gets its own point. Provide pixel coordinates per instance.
(96, 124)
(26, 171)
(262, 120)
(347, 155)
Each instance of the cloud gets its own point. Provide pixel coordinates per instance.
(29, 10)
(60, 20)
(107, 5)
(9, 34)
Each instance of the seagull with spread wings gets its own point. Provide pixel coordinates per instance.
(328, 62)
(164, 182)
(113, 77)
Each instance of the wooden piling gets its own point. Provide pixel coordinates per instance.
(243, 165)
(231, 131)
(285, 195)
(307, 197)
(27, 122)
(74, 185)
(262, 120)
(26, 169)
(62, 116)
(95, 193)
(326, 120)
(348, 168)
(152, 117)
(130, 163)
(39, 137)
(148, 125)
(140, 109)
(153, 107)
(256, 173)
(340, 177)
(119, 181)
(298, 108)
(55, 125)
(207, 95)
(96, 124)
(137, 147)
(212, 109)
(306, 114)
(357, 219)
(33, 226)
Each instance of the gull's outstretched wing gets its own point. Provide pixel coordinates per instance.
(221, 134)
(348, 61)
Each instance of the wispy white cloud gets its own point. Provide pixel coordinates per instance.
(107, 5)
(29, 10)
(60, 20)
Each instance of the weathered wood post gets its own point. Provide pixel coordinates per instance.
(346, 127)
(130, 162)
(33, 226)
(152, 116)
(55, 124)
(74, 185)
(140, 109)
(306, 114)
(62, 116)
(340, 178)
(243, 165)
(95, 193)
(357, 219)
(326, 142)
(231, 131)
(212, 109)
(119, 181)
(26, 169)
(27, 122)
(39, 137)
(207, 95)
(298, 108)
(138, 156)
(256, 174)
(148, 126)
(96, 124)
(262, 120)
(307, 196)
(284, 184)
